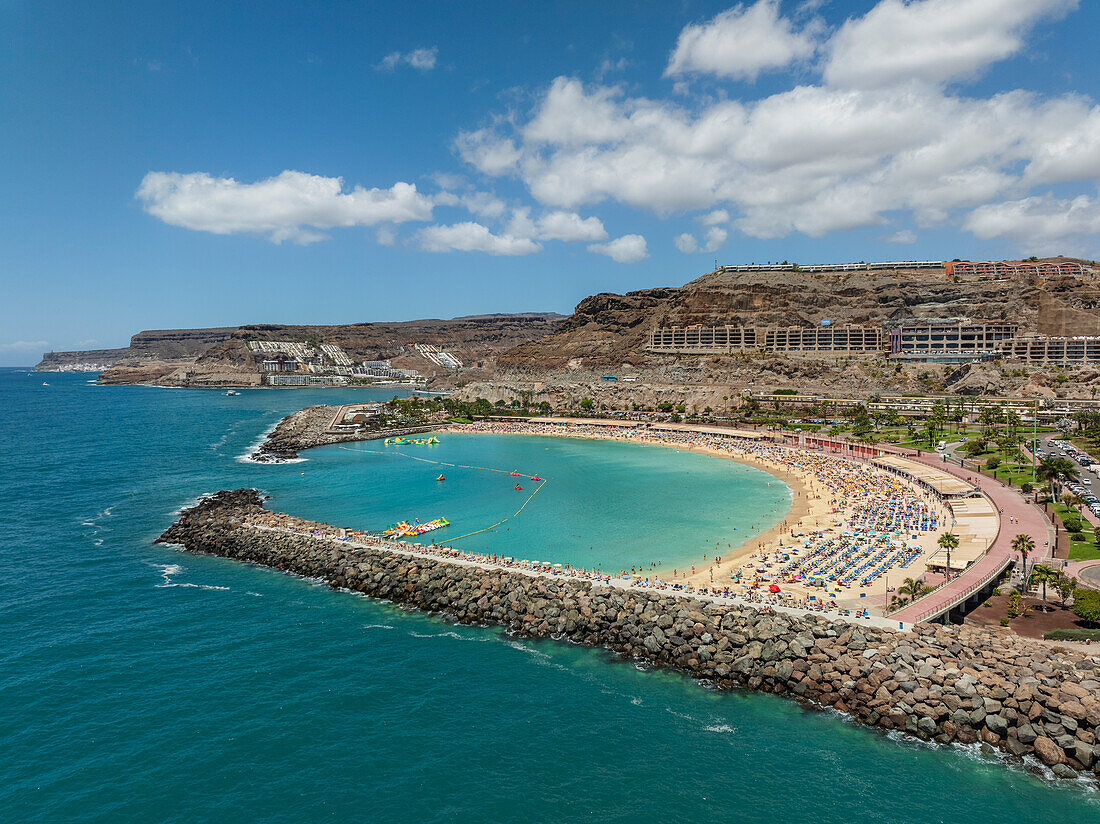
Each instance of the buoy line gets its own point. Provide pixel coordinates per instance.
(459, 466)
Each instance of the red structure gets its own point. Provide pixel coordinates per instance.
(1004, 269)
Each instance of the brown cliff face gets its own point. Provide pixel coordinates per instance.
(609, 330)
(187, 357)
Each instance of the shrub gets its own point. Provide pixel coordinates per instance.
(1026, 487)
(1004, 622)
(1086, 605)
(992, 463)
(996, 591)
(1073, 635)
(1072, 523)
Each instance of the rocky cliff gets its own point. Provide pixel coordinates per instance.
(220, 357)
(607, 333)
(155, 346)
(936, 683)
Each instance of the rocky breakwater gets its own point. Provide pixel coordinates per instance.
(935, 683)
(310, 427)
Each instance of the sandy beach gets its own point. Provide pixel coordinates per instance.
(750, 568)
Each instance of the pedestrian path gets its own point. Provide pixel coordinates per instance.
(1016, 516)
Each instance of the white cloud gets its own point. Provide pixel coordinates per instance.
(483, 204)
(625, 249)
(421, 59)
(740, 43)
(473, 237)
(686, 243)
(385, 236)
(812, 159)
(557, 225)
(715, 239)
(931, 40)
(1043, 224)
(1074, 154)
(489, 152)
(290, 206)
(24, 346)
(904, 236)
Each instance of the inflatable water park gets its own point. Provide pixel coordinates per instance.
(404, 528)
(411, 441)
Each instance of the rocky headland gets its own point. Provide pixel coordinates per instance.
(311, 427)
(1039, 705)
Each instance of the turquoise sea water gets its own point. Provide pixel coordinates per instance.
(606, 504)
(141, 684)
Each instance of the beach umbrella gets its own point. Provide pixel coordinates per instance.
(773, 588)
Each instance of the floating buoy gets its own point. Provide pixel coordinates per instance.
(535, 478)
(441, 478)
(517, 486)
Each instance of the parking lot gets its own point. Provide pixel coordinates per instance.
(1087, 487)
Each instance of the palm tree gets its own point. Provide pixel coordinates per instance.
(948, 541)
(1024, 544)
(1050, 468)
(1042, 574)
(914, 589)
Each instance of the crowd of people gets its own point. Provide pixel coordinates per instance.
(877, 516)
(873, 514)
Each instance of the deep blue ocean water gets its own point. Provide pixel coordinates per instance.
(142, 684)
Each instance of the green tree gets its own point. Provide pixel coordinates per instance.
(1066, 587)
(587, 403)
(1043, 575)
(1086, 605)
(1025, 545)
(1050, 468)
(948, 541)
(913, 589)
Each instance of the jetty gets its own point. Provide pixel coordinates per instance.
(1038, 704)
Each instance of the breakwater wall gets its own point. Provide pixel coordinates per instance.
(940, 683)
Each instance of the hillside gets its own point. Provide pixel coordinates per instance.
(199, 357)
(609, 332)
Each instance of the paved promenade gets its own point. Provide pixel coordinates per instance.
(1011, 505)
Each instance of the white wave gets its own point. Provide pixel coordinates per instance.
(449, 634)
(247, 456)
(377, 626)
(98, 542)
(718, 728)
(168, 570)
(87, 523)
(191, 502)
(637, 702)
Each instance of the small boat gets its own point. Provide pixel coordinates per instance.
(232, 392)
(441, 478)
(44, 383)
(517, 486)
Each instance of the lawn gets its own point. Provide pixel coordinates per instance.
(1085, 549)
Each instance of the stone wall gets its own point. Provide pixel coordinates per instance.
(934, 683)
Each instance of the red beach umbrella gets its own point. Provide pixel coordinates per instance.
(773, 588)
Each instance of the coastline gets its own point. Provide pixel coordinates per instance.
(944, 684)
(799, 486)
(810, 511)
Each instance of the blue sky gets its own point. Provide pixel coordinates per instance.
(201, 164)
